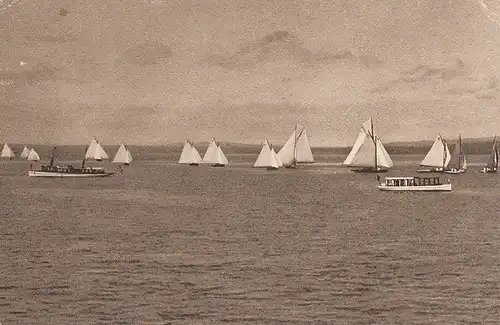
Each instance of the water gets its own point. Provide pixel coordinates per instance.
(170, 244)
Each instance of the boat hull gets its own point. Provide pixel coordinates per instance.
(453, 171)
(218, 165)
(488, 170)
(432, 170)
(369, 170)
(193, 164)
(272, 168)
(427, 188)
(35, 173)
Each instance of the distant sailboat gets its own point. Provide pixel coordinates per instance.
(368, 154)
(95, 151)
(189, 154)
(33, 155)
(492, 163)
(297, 149)
(25, 153)
(437, 158)
(7, 152)
(122, 156)
(268, 158)
(214, 155)
(458, 162)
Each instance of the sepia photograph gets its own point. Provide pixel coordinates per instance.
(205, 162)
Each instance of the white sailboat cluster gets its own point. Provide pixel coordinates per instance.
(95, 151)
(25, 153)
(368, 154)
(30, 154)
(268, 158)
(122, 156)
(7, 152)
(189, 154)
(214, 155)
(438, 157)
(297, 149)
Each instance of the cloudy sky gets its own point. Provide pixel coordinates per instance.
(156, 71)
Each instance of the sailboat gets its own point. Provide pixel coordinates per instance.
(122, 156)
(268, 157)
(458, 162)
(33, 155)
(189, 154)
(25, 153)
(297, 149)
(7, 152)
(52, 170)
(95, 151)
(368, 154)
(214, 155)
(438, 157)
(492, 163)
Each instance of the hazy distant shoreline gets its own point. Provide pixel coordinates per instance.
(472, 146)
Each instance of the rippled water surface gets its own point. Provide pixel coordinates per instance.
(170, 244)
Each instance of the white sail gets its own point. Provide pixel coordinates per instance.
(7, 152)
(185, 157)
(458, 160)
(263, 158)
(363, 151)
(221, 157)
(33, 155)
(355, 148)
(211, 155)
(383, 158)
(274, 159)
(304, 154)
(25, 153)
(287, 153)
(129, 156)
(95, 151)
(195, 157)
(438, 156)
(122, 155)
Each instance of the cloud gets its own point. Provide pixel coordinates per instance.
(283, 45)
(51, 38)
(28, 76)
(452, 78)
(147, 53)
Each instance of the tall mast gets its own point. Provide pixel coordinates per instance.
(53, 157)
(443, 141)
(495, 153)
(295, 146)
(460, 155)
(374, 142)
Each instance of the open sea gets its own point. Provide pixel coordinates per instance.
(171, 244)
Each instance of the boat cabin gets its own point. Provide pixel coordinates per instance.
(71, 169)
(412, 181)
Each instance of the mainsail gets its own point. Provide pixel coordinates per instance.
(458, 160)
(95, 151)
(368, 151)
(214, 154)
(297, 148)
(122, 156)
(7, 152)
(189, 154)
(268, 157)
(439, 154)
(492, 162)
(33, 155)
(25, 153)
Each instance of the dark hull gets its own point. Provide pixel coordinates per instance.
(272, 168)
(369, 170)
(218, 165)
(193, 164)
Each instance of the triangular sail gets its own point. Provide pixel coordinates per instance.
(457, 160)
(274, 160)
(438, 155)
(383, 158)
(7, 152)
(33, 155)
(25, 153)
(129, 156)
(185, 157)
(355, 148)
(122, 155)
(304, 154)
(195, 157)
(95, 151)
(211, 155)
(287, 153)
(221, 157)
(365, 156)
(263, 158)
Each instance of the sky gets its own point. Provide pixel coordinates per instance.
(162, 71)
